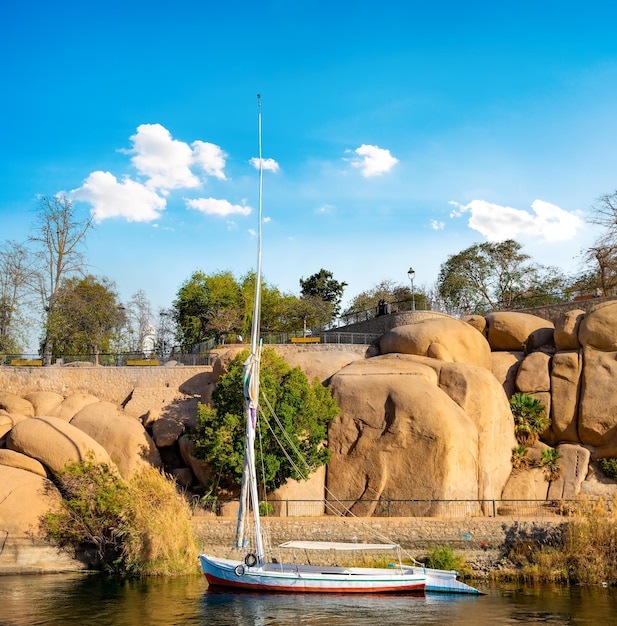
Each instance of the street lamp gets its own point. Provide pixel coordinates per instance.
(411, 274)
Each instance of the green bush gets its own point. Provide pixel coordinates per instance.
(609, 467)
(139, 527)
(443, 557)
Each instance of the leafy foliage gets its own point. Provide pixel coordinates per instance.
(519, 457)
(550, 462)
(388, 291)
(85, 316)
(93, 512)
(530, 419)
(323, 286)
(444, 557)
(303, 409)
(137, 527)
(609, 467)
(492, 276)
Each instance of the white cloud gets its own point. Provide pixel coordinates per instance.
(164, 161)
(213, 206)
(435, 225)
(268, 165)
(373, 160)
(497, 223)
(112, 198)
(210, 157)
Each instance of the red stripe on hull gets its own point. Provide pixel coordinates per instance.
(221, 582)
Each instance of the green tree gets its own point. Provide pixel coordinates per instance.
(85, 318)
(206, 305)
(303, 410)
(323, 285)
(530, 419)
(492, 276)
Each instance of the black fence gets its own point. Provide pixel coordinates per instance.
(443, 509)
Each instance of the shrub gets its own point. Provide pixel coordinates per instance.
(519, 457)
(550, 462)
(529, 418)
(443, 557)
(609, 467)
(139, 527)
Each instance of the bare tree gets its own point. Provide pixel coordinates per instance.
(139, 316)
(603, 254)
(17, 273)
(59, 236)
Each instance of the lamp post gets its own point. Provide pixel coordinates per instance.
(411, 273)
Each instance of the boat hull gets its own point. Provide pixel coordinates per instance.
(309, 579)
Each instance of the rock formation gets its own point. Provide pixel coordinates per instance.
(425, 417)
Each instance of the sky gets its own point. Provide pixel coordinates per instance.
(395, 133)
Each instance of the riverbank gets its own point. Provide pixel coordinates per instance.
(481, 541)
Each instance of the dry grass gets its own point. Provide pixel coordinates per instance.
(161, 541)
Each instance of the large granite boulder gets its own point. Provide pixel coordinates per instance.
(598, 328)
(574, 465)
(565, 384)
(54, 443)
(8, 420)
(566, 330)
(446, 339)
(508, 330)
(399, 436)
(24, 498)
(12, 403)
(504, 366)
(597, 413)
(122, 436)
(533, 374)
(44, 402)
(10, 458)
(72, 404)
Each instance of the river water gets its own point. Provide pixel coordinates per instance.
(94, 600)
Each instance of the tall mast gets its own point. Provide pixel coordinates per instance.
(251, 394)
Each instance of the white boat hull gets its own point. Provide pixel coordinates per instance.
(308, 578)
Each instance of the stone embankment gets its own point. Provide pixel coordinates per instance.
(482, 541)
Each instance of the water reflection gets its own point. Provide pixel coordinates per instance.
(79, 599)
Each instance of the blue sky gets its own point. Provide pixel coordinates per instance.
(397, 133)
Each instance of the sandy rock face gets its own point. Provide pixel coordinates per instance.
(445, 339)
(566, 330)
(8, 420)
(24, 498)
(72, 404)
(598, 328)
(10, 458)
(504, 366)
(12, 403)
(54, 443)
(574, 463)
(518, 331)
(534, 373)
(399, 437)
(565, 383)
(597, 416)
(44, 402)
(122, 436)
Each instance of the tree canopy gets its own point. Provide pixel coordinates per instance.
(323, 285)
(492, 276)
(85, 316)
(304, 409)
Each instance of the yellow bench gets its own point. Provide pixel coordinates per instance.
(142, 362)
(305, 340)
(27, 362)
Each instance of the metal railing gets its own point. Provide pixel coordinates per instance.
(442, 509)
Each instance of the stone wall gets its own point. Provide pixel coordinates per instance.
(480, 539)
(111, 384)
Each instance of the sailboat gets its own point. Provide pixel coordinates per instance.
(258, 570)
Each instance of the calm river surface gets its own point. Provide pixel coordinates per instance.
(92, 600)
